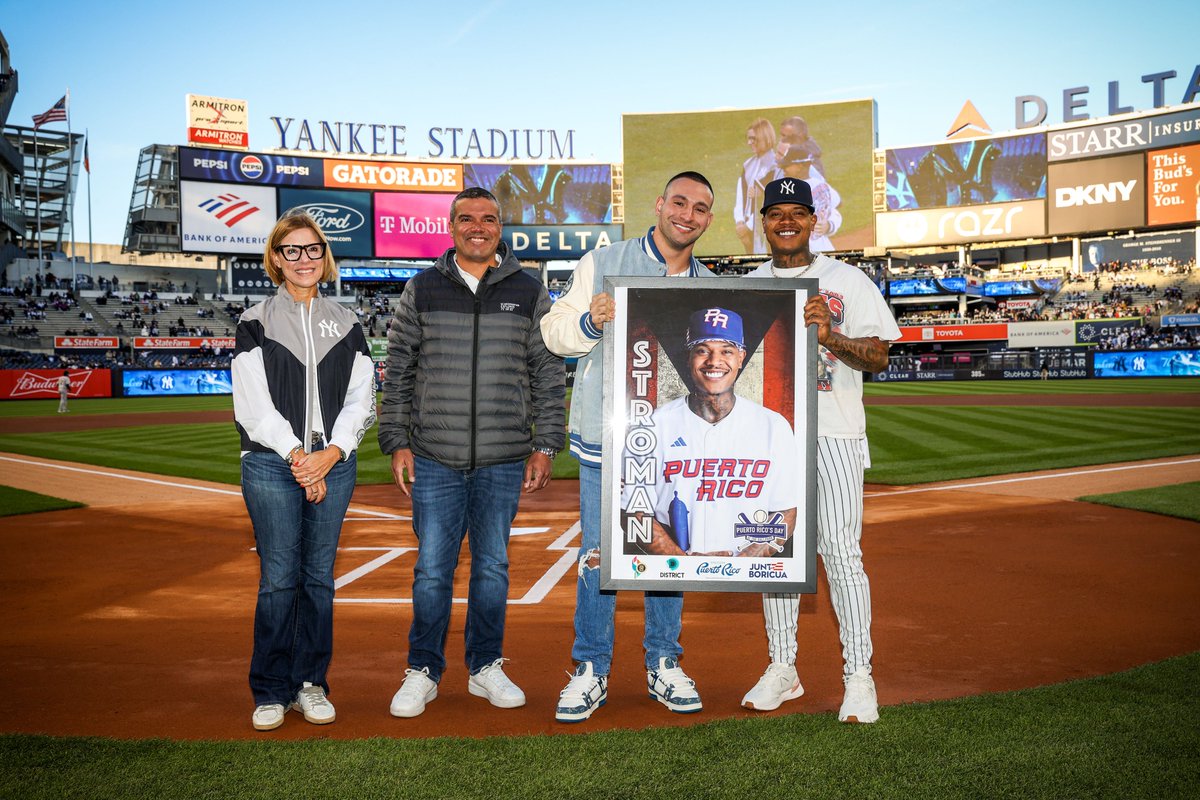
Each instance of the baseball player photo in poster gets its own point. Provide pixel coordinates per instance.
(710, 406)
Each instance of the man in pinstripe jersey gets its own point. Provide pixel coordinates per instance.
(854, 327)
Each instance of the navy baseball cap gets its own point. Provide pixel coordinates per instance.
(787, 190)
(715, 325)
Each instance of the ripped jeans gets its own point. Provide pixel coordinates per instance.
(594, 609)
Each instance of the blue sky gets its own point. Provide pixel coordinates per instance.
(507, 64)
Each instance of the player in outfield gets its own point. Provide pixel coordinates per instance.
(729, 477)
(574, 327)
(854, 327)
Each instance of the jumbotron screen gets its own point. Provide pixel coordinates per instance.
(156, 382)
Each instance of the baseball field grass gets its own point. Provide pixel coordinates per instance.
(17, 501)
(1130, 735)
(1180, 500)
(909, 443)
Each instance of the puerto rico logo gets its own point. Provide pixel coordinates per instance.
(229, 208)
(719, 569)
(763, 529)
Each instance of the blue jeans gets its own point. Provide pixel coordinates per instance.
(297, 543)
(594, 609)
(448, 504)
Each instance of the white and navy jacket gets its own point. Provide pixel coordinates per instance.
(289, 353)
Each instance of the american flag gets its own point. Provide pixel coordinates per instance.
(57, 113)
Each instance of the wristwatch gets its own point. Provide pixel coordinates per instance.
(549, 452)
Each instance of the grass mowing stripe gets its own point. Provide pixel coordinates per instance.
(118, 405)
(1048, 438)
(1101, 737)
(910, 444)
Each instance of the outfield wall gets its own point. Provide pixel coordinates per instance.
(1099, 364)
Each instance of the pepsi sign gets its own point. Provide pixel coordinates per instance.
(262, 168)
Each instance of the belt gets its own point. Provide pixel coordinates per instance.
(317, 437)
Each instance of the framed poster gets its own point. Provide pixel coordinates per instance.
(709, 476)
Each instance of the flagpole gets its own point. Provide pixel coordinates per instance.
(68, 197)
(37, 208)
(88, 167)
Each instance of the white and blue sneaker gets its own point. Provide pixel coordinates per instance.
(585, 692)
(671, 686)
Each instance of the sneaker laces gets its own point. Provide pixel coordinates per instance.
(675, 677)
(409, 687)
(782, 674)
(313, 696)
(493, 673)
(580, 684)
(859, 686)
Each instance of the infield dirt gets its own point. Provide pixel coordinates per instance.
(131, 618)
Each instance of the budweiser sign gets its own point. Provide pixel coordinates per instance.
(87, 342)
(32, 384)
(183, 342)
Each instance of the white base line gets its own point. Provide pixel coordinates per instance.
(1032, 478)
(172, 484)
(536, 593)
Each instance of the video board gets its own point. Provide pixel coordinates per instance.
(966, 173)
(740, 151)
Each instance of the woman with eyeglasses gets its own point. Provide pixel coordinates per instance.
(303, 396)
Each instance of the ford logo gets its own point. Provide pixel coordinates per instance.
(334, 217)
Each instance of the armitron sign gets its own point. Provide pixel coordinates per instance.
(217, 122)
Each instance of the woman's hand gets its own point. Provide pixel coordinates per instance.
(310, 469)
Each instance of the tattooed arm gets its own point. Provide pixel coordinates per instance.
(868, 354)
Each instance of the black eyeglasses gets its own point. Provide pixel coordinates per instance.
(292, 252)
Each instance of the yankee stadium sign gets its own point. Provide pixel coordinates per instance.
(375, 139)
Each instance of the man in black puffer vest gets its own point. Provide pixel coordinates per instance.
(474, 413)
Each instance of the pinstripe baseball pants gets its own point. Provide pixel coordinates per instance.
(839, 541)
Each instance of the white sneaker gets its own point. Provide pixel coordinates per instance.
(670, 686)
(492, 683)
(268, 717)
(313, 703)
(417, 690)
(860, 703)
(777, 685)
(585, 692)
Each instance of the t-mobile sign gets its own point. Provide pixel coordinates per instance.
(412, 225)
